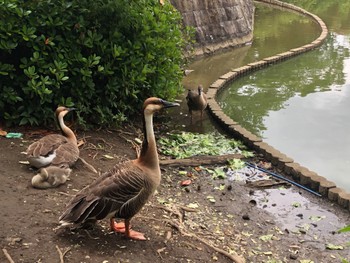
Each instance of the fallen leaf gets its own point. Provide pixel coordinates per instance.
(268, 253)
(108, 156)
(193, 205)
(317, 218)
(138, 141)
(266, 238)
(296, 204)
(182, 172)
(80, 143)
(211, 199)
(23, 162)
(3, 133)
(334, 247)
(186, 182)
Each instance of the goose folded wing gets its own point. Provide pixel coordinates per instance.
(66, 153)
(46, 145)
(107, 196)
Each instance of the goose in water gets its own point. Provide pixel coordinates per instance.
(50, 177)
(196, 101)
(55, 149)
(126, 188)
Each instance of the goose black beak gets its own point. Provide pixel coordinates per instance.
(168, 104)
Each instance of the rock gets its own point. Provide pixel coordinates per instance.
(245, 217)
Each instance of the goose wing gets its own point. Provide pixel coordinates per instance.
(52, 149)
(46, 145)
(120, 192)
(66, 153)
(191, 99)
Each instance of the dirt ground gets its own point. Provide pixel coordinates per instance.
(207, 221)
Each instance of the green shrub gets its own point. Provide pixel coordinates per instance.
(102, 56)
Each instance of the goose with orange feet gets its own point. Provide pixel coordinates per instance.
(121, 192)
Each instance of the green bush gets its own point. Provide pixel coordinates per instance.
(102, 56)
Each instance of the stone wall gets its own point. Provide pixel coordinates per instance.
(218, 23)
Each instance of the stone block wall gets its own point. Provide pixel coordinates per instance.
(218, 23)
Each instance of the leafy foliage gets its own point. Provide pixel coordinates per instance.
(186, 144)
(104, 57)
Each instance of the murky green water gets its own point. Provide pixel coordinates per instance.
(300, 106)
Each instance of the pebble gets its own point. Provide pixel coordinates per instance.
(246, 217)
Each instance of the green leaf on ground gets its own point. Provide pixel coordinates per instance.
(334, 247)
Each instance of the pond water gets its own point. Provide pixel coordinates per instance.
(300, 106)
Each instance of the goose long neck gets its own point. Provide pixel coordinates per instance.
(67, 132)
(149, 155)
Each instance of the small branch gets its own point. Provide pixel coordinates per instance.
(62, 254)
(7, 255)
(201, 160)
(89, 166)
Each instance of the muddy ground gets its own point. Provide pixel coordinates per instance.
(197, 223)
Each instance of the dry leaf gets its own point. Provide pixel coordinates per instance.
(186, 182)
(3, 133)
(80, 143)
(108, 156)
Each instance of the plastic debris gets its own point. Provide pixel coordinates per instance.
(14, 135)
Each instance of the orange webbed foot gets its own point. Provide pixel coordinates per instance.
(124, 228)
(135, 235)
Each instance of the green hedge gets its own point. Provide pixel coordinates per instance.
(102, 56)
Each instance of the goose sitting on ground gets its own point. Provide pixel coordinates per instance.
(50, 177)
(55, 149)
(126, 188)
(196, 101)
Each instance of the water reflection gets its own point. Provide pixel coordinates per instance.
(301, 106)
(270, 37)
(250, 99)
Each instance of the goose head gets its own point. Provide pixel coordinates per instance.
(200, 89)
(153, 104)
(62, 111)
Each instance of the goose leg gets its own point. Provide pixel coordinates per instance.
(125, 228)
(117, 227)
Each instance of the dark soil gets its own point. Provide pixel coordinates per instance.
(182, 224)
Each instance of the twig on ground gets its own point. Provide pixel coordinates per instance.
(62, 254)
(89, 166)
(7, 255)
(63, 193)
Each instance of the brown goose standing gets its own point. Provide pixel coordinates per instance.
(196, 101)
(55, 149)
(125, 189)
